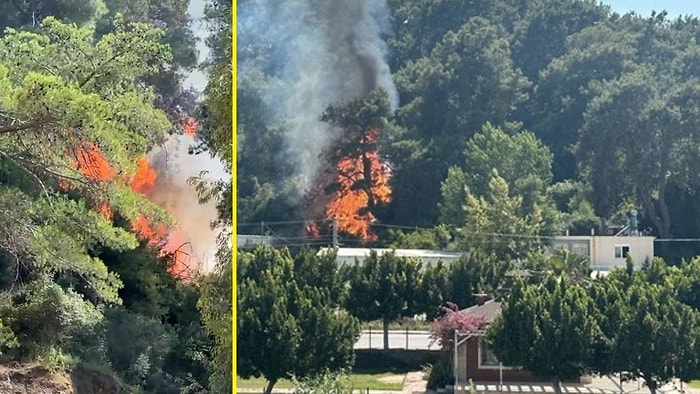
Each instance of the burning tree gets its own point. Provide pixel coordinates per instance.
(359, 181)
(75, 124)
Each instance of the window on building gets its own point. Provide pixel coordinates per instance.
(621, 251)
(488, 359)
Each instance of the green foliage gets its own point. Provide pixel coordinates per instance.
(441, 374)
(216, 111)
(286, 325)
(577, 213)
(69, 93)
(609, 97)
(65, 268)
(444, 105)
(433, 290)
(520, 159)
(432, 239)
(647, 330)
(494, 223)
(26, 13)
(8, 340)
(42, 315)
(548, 329)
(636, 323)
(215, 306)
(139, 359)
(325, 383)
(384, 287)
(562, 262)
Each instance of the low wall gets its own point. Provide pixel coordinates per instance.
(395, 358)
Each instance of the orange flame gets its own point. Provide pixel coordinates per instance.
(144, 181)
(93, 165)
(189, 126)
(104, 208)
(357, 195)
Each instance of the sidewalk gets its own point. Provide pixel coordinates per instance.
(598, 385)
(413, 384)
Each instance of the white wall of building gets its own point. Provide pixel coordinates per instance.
(606, 252)
(427, 257)
(610, 252)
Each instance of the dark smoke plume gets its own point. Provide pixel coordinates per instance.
(314, 53)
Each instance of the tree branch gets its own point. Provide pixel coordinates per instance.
(97, 69)
(27, 125)
(30, 173)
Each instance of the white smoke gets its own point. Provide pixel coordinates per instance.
(321, 53)
(175, 166)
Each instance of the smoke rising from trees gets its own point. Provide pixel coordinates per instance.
(314, 54)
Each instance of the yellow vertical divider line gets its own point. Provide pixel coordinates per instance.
(234, 188)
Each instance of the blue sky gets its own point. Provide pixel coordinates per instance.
(644, 7)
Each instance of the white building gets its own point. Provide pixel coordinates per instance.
(251, 241)
(427, 257)
(606, 252)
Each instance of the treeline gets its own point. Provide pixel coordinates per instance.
(299, 313)
(566, 113)
(88, 88)
(560, 323)
(639, 324)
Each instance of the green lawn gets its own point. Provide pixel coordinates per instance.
(694, 384)
(259, 383)
(374, 380)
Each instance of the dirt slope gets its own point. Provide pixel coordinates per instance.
(34, 379)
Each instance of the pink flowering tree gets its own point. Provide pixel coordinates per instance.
(443, 328)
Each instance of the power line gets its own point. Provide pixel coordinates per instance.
(294, 240)
(282, 222)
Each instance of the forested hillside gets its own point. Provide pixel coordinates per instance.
(480, 118)
(93, 283)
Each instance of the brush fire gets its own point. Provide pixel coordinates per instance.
(146, 181)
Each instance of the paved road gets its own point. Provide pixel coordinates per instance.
(397, 340)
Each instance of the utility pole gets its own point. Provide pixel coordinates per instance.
(335, 233)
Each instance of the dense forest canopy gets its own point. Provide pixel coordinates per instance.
(584, 114)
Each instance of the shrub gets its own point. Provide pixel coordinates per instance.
(441, 374)
(325, 383)
(443, 328)
(45, 316)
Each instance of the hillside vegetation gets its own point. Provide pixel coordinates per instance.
(90, 297)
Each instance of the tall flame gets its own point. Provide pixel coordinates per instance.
(144, 182)
(93, 165)
(363, 184)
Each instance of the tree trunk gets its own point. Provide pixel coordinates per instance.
(385, 325)
(665, 216)
(270, 385)
(658, 210)
(650, 382)
(557, 386)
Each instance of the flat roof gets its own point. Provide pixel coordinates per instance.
(588, 237)
(417, 253)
